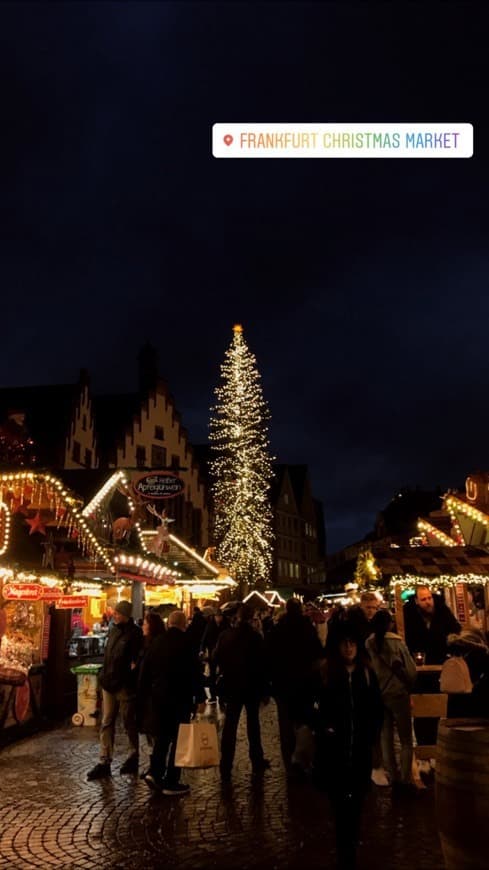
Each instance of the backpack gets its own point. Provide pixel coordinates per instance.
(455, 676)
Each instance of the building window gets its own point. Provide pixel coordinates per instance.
(159, 434)
(140, 456)
(175, 462)
(158, 456)
(297, 574)
(291, 569)
(84, 423)
(286, 498)
(76, 451)
(88, 458)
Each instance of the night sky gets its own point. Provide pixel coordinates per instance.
(362, 285)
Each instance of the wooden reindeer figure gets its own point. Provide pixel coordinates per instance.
(160, 543)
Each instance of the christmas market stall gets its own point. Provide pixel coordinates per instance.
(463, 522)
(460, 574)
(129, 518)
(47, 552)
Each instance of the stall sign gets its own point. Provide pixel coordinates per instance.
(69, 602)
(45, 637)
(159, 485)
(22, 591)
(47, 593)
(461, 603)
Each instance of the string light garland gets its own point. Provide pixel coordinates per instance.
(433, 532)
(5, 528)
(443, 581)
(56, 494)
(455, 504)
(156, 570)
(116, 479)
(241, 468)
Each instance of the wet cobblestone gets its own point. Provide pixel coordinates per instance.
(51, 817)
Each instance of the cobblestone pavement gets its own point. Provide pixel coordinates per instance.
(51, 817)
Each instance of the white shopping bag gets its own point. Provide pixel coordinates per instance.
(197, 745)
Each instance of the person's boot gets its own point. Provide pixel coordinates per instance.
(131, 765)
(100, 771)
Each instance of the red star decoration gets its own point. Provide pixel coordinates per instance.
(36, 525)
(19, 507)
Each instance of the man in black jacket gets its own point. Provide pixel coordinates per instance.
(177, 688)
(294, 653)
(117, 679)
(427, 623)
(240, 658)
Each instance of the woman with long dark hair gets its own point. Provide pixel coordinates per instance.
(153, 628)
(396, 673)
(350, 715)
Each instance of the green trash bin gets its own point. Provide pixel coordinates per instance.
(89, 699)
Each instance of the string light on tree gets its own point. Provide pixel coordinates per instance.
(241, 467)
(366, 571)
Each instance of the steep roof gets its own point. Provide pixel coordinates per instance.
(114, 413)
(298, 476)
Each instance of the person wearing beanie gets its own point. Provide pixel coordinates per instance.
(118, 678)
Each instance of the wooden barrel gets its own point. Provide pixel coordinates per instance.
(462, 792)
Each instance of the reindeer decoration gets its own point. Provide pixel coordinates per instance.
(160, 543)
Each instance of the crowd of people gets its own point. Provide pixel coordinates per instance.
(350, 693)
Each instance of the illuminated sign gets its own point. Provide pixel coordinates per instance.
(159, 485)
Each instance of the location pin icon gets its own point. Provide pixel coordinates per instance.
(228, 139)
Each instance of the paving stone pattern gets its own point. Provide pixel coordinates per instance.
(51, 817)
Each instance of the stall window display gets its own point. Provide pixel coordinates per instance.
(86, 641)
(21, 625)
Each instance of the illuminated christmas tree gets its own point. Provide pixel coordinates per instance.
(241, 468)
(17, 448)
(367, 573)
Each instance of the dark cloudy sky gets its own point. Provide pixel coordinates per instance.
(362, 284)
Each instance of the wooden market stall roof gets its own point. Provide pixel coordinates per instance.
(44, 502)
(431, 562)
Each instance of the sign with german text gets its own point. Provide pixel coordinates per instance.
(69, 602)
(158, 485)
(47, 593)
(22, 591)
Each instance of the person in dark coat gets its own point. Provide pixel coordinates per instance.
(243, 682)
(118, 681)
(350, 717)
(427, 623)
(214, 628)
(177, 689)
(294, 652)
(153, 628)
(195, 630)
